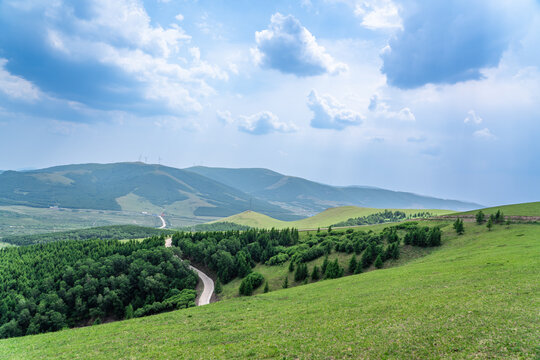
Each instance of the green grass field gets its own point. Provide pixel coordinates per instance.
(326, 218)
(477, 296)
(526, 209)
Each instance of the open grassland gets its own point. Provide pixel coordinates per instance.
(525, 209)
(324, 219)
(477, 296)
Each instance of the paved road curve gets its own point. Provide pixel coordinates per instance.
(208, 283)
(163, 223)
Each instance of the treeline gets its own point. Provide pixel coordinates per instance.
(234, 253)
(102, 232)
(47, 287)
(382, 217)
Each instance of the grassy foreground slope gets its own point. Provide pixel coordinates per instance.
(476, 297)
(323, 219)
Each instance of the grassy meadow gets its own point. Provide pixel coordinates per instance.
(477, 296)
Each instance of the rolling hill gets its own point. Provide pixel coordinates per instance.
(323, 219)
(524, 209)
(87, 195)
(308, 197)
(129, 187)
(475, 297)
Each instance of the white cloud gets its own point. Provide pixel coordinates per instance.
(224, 116)
(264, 122)
(485, 133)
(472, 118)
(328, 113)
(382, 109)
(16, 87)
(121, 34)
(379, 14)
(179, 17)
(289, 47)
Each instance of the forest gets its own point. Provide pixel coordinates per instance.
(48, 287)
(232, 254)
(101, 232)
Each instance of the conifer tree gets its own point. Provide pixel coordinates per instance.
(315, 274)
(285, 282)
(324, 264)
(490, 224)
(291, 266)
(480, 217)
(352, 264)
(266, 288)
(358, 269)
(458, 226)
(378, 262)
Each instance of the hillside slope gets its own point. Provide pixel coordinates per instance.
(475, 297)
(309, 197)
(524, 209)
(325, 218)
(131, 187)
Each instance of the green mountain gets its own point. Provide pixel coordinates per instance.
(309, 197)
(130, 187)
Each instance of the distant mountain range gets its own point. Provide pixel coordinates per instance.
(195, 192)
(308, 197)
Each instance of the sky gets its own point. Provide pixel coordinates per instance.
(440, 98)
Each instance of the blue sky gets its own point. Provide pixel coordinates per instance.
(438, 98)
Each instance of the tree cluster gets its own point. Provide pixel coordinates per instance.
(383, 217)
(232, 254)
(423, 236)
(47, 287)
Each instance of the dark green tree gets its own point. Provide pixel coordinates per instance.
(316, 273)
(378, 262)
(285, 282)
(480, 217)
(333, 270)
(489, 224)
(266, 288)
(291, 266)
(324, 264)
(458, 226)
(352, 264)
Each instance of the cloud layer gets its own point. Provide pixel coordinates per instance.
(263, 123)
(289, 47)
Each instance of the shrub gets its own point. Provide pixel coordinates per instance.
(250, 283)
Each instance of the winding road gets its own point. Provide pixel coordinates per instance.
(208, 283)
(163, 223)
